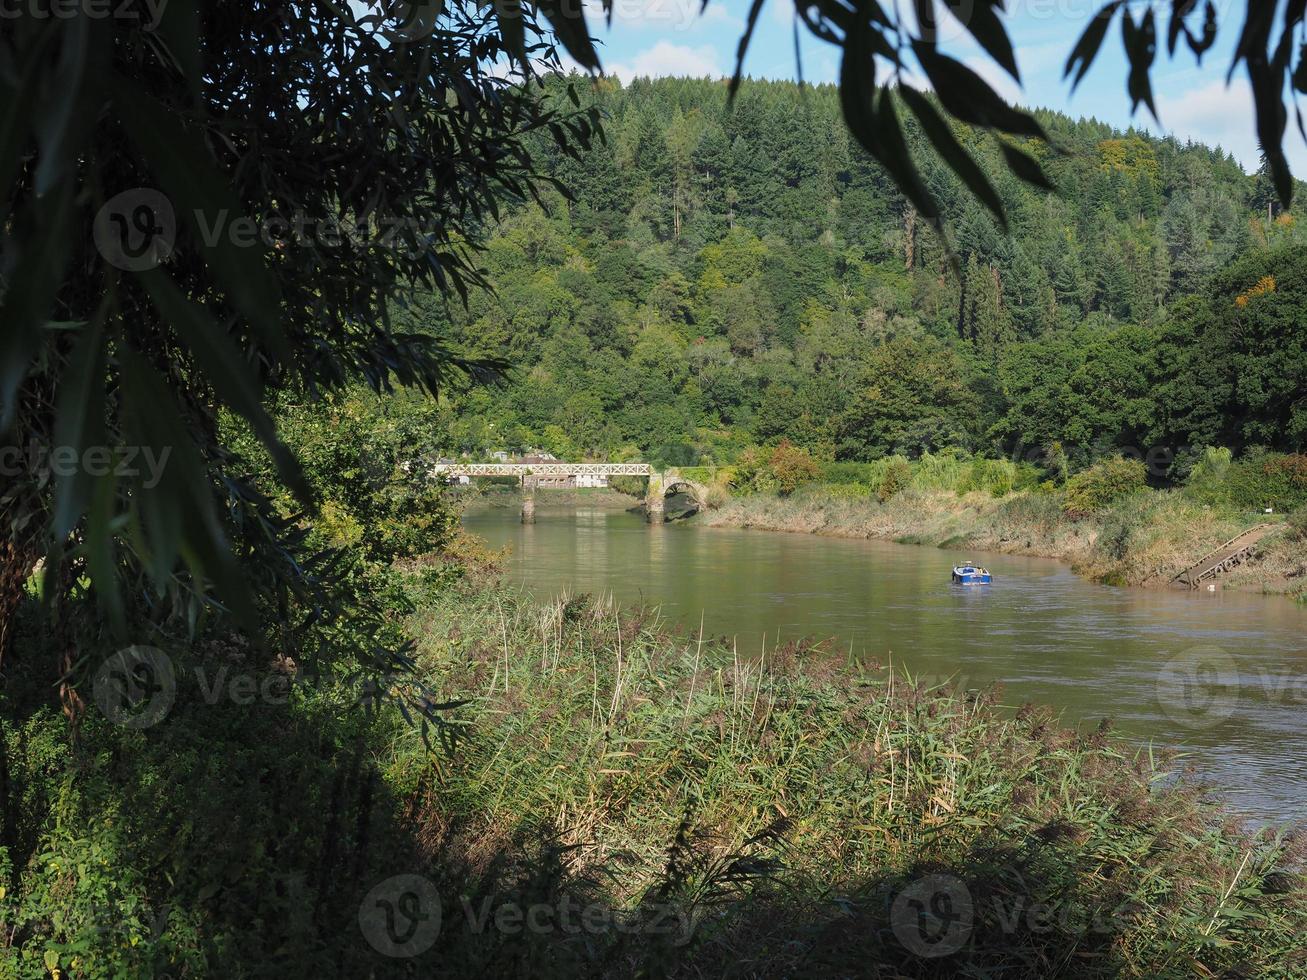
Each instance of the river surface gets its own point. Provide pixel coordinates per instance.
(1222, 676)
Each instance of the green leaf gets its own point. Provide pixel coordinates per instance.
(60, 104)
(1141, 50)
(1255, 37)
(30, 293)
(970, 98)
(1086, 49)
(79, 422)
(986, 27)
(180, 159)
(958, 159)
(232, 376)
(1026, 167)
(178, 516)
(568, 21)
(179, 27)
(512, 29)
(1267, 83)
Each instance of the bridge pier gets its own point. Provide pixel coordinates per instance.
(529, 509)
(655, 504)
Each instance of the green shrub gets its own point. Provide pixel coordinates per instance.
(898, 475)
(781, 469)
(1298, 524)
(850, 473)
(1211, 468)
(1127, 515)
(792, 466)
(1103, 483)
(1259, 480)
(942, 471)
(998, 477)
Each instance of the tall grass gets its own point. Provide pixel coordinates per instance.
(951, 472)
(781, 809)
(627, 740)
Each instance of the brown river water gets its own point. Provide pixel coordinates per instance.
(1221, 676)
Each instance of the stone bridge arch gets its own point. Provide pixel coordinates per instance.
(663, 485)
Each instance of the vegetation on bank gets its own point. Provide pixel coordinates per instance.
(735, 818)
(1104, 520)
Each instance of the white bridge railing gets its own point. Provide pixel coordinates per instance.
(541, 469)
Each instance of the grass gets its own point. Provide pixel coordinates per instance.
(786, 812)
(788, 801)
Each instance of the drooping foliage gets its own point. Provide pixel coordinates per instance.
(204, 209)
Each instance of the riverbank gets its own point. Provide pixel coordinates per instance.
(606, 798)
(1143, 539)
(794, 810)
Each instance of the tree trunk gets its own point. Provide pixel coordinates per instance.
(910, 239)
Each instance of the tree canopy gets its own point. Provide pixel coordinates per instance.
(796, 294)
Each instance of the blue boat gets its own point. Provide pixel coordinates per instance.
(970, 574)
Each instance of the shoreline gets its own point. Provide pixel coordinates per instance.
(1154, 539)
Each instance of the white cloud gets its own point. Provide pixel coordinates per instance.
(665, 58)
(1221, 116)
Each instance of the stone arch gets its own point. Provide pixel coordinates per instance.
(663, 485)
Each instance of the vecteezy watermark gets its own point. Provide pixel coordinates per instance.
(1202, 686)
(136, 687)
(933, 916)
(402, 916)
(97, 461)
(213, 685)
(136, 230)
(148, 12)
(937, 915)
(1157, 460)
(1198, 687)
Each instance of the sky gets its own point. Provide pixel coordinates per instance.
(671, 37)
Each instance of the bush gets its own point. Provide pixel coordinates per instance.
(1298, 524)
(1121, 523)
(792, 466)
(1103, 483)
(943, 471)
(1257, 481)
(840, 474)
(898, 475)
(782, 469)
(998, 477)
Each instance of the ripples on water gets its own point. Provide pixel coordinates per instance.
(1221, 675)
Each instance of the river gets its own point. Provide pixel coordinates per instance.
(1221, 676)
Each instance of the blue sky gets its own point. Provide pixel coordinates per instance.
(671, 37)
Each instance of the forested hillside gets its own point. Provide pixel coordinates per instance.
(729, 276)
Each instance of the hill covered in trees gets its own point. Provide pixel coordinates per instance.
(736, 275)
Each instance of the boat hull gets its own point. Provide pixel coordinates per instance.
(961, 577)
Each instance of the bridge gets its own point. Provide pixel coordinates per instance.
(1223, 558)
(661, 485)
(542, 469)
